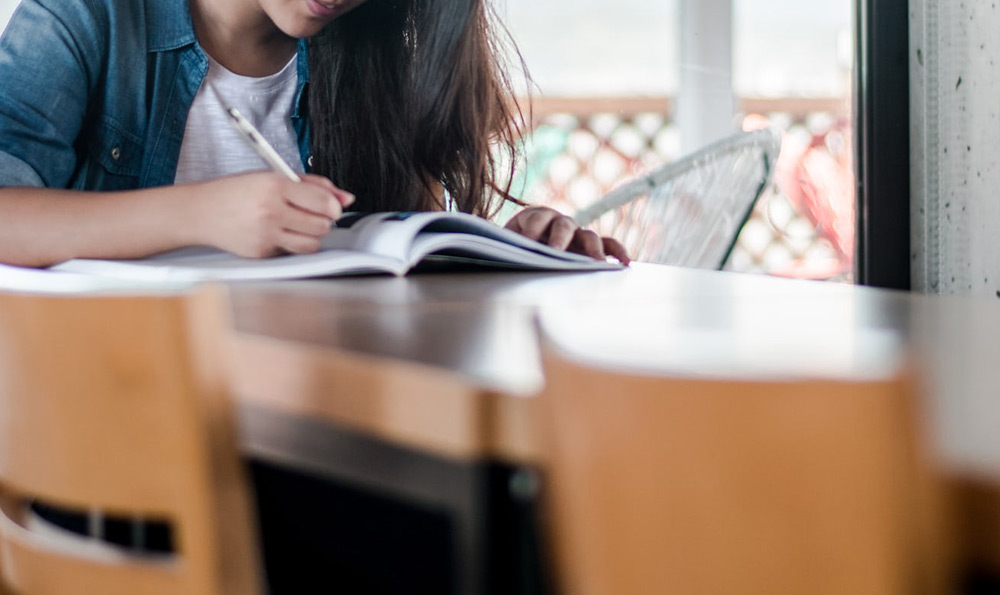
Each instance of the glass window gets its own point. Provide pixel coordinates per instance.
(609, 105)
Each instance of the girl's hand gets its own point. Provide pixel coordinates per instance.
(561, 232)
(263, 214)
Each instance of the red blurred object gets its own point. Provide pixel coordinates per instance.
(817, 177)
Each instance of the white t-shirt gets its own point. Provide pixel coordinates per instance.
(212, 148)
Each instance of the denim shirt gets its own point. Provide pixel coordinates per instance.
(95, 94)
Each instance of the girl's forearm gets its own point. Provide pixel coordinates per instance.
(40, 227)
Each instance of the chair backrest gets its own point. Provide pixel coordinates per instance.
(689, 212)
(120, 405)
(673, 484)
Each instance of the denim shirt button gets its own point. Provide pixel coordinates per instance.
(310, 161)
(116, 153)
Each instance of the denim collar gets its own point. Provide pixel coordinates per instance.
(303, 68)
(169, 25)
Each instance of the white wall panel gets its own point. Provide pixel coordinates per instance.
(706, 102)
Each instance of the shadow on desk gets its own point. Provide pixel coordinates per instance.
(449, 527)
(376, 475)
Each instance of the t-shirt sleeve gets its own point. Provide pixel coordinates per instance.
(50, 60)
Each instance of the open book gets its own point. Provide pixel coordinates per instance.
(359, 244)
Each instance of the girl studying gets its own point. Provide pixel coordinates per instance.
(114, 140)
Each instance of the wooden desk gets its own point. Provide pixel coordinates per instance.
(476, 332)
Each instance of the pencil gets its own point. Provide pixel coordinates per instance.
(260, 145)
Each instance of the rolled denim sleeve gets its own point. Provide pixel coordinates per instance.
(50, 61)
(15, 172)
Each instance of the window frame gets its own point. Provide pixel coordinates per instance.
(882, 143)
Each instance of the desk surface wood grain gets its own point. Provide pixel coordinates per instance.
(480, 327)
(465, 351)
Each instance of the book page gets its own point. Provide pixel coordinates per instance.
(197, 264)
(389, 234)
(43, 281)
(488, 250)
(359, 244)
(468, 225)
(413, 236)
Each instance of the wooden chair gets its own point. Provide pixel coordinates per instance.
(120, 405)
(977, 500)
(685, 484)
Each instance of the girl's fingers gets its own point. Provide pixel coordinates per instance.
(314, 198)
(614, 248)
(304, 222)
(297, 243)
(588, 243)
(345, 198)
(534, 222)
(561, 231)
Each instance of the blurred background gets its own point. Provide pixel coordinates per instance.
(622, 87)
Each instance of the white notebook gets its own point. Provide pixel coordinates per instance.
(390, 243)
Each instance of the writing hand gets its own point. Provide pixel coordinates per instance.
(559, 231)
(263, 214)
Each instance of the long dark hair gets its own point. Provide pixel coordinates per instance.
(409, 96)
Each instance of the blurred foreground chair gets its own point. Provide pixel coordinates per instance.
(678, 483)
(978, 531)
(689, 212)
(120, 405)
